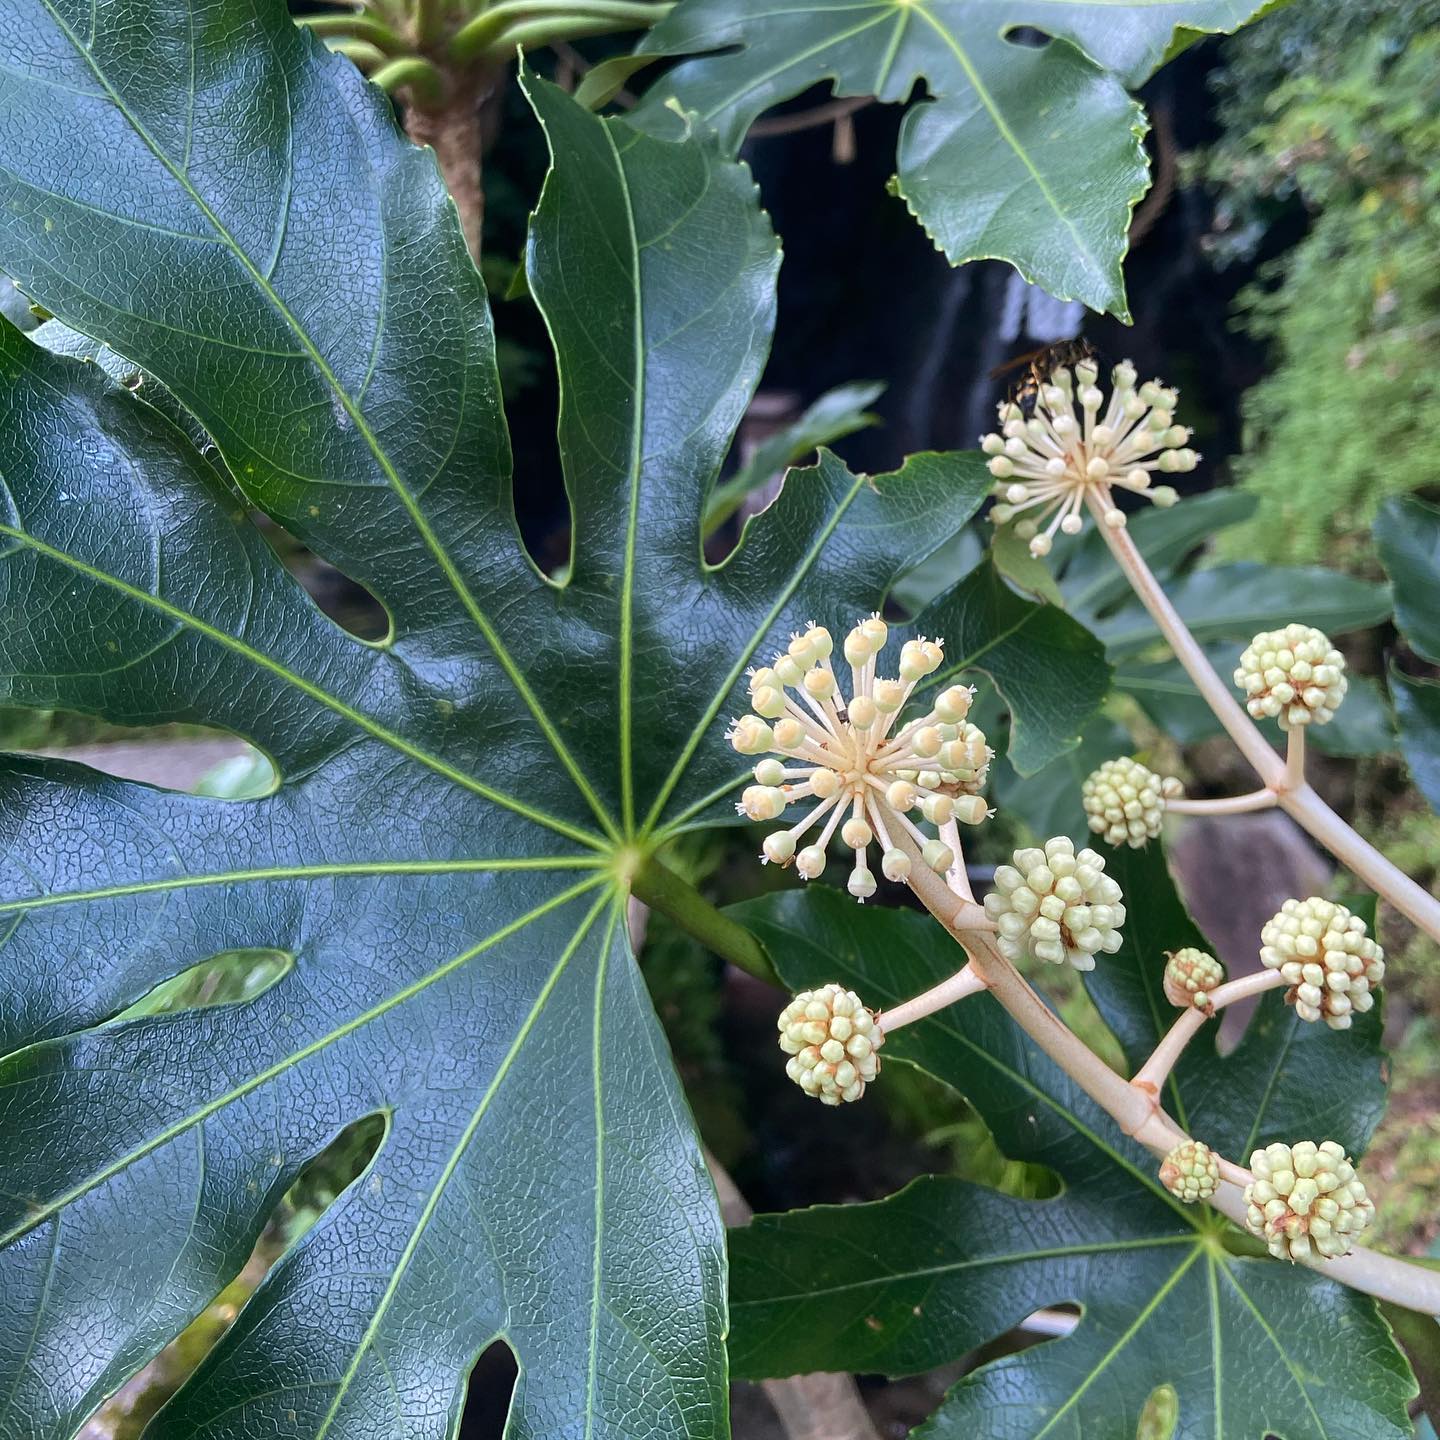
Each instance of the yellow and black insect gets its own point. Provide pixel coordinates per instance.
(1040, 365)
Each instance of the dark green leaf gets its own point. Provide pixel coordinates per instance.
(1407, 532)
(1233, 602)
(1417, 709)
(1048, 669)
(837, 413)
(927, 1275)
(1049, 800)
(1030, 154)
(439, 860)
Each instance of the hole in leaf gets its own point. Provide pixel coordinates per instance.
(232, 977)
(317, 1187)
(355, 609)
(189, 759)
(488, 1393)
(1027, 36)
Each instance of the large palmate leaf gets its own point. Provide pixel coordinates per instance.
(927, 1275)
(1029, 153)
(443, 864)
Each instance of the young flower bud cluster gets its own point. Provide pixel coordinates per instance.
(1190, 976)
(1331, 964)
(1305, 1199)
(1294, 675)
(831, 1039)
(1046, 462)
(1191, 1172)
(1055, 905)
(1125, 801)
(866, 781)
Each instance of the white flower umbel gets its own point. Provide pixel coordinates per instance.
(1045, 462)
(1294, 675)
(831, 1039)
(865, 781)
(1331, 964)
(1305, 1200)
(1124, 801)
(1056, 905)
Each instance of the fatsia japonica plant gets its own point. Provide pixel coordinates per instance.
(266, 305)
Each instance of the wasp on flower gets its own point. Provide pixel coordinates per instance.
(865, 781)
(1049, 461)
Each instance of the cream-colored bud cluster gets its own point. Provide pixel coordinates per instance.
(832, 1040)
(1190, 976)
(1046, 462)
(1056, 905)
(866, 781)
(1323, 951)
(1191, 1172)
(1125, 801)
(1294, 675)
(1306, 1200)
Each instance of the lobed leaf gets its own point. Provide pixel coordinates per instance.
(442, 863)
(1026, 152)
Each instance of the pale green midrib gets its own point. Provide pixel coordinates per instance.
(397, 485)
(900, 1277)
(304, 872)
(597, 1259)
(973, 659)
(1008, 135)
(627, 591)
(1274, 1339)
(306, 687)
(1215, 1358)
(40, 1213)
(1282, 1055)
(713, 709)
(432, 1200)
(1153, 1304)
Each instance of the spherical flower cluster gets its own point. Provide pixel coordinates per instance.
(1190, 976)
(1294, 675)
(1045, 463)
(831, 1039)
(1056, 905)
(1191, 1172)
(1305, 1199)
(1125, 801)
(1322, 950)
(842, 754)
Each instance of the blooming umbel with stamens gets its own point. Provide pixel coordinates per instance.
(1324, 952)
(1056, 905)
(1294, 675)
(865, 781)
(1306, 1199)
(1190, 976)
(1125, 801)
(1047, 462)
(831, 1039)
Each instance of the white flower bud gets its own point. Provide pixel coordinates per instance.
(832, 1041)
(1294, 675)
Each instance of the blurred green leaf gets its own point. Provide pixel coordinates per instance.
(1407, 532)
(1417, 709)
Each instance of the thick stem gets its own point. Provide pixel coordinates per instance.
(1412, 1286)
(1228, 711)
(662, 889)
(1302, 803)
(501, 24)
(452, 130)
(1294, 758)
